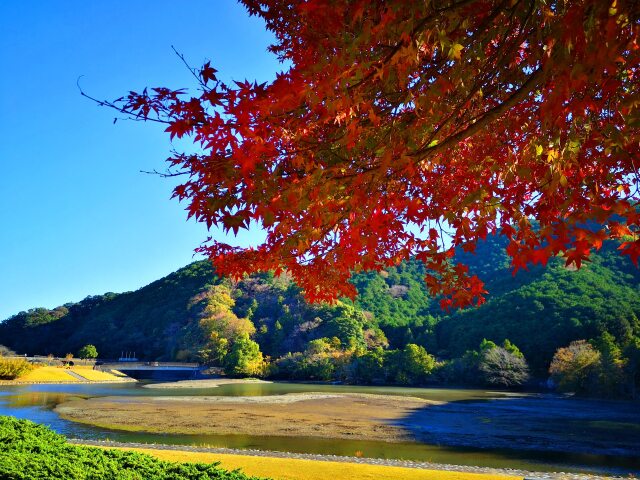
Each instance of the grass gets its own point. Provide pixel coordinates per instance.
(59, 374)
(297, 469)
(47, 374)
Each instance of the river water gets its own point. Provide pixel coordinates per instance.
(529, 432)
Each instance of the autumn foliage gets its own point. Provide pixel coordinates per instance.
(406, 129)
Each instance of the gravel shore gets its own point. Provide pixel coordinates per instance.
(527, 475)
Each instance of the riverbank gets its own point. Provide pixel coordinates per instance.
(299, 466)
(64, 375)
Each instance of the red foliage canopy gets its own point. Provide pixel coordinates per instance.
(409, 128)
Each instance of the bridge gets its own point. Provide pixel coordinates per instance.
(154, 370)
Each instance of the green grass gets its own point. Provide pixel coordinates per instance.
(29, 451)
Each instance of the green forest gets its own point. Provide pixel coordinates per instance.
(545, 321)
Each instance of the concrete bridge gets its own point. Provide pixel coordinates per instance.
(154, 370)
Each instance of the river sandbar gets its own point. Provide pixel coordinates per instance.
(335, 415)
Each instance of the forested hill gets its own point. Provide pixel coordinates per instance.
(192, 315)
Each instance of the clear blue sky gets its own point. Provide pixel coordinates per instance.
(77, 217)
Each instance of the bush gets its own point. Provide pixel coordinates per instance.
(575, 368)
(88, 351)
(502, 368)
(6, 351)
(29, 451)
(11, 368)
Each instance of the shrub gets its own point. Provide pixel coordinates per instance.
(88, 351)
(575, 368)
(502, 368)
(29, 451)
(6, 351)
(11, 368)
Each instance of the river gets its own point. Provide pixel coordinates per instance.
(528, 432)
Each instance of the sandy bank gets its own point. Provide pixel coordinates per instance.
(206, 383)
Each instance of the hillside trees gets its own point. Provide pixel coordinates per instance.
(406, 129)
(345, 323)
(544, 309)
(217, 328)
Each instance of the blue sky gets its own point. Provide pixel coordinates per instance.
(77, 217)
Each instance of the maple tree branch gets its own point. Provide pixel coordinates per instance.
(489, 116)
(396, 48)
(191, 69)
(130, 115)
(166, 174)
(500, 54)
